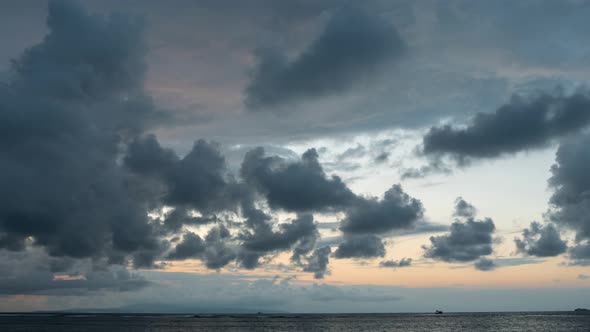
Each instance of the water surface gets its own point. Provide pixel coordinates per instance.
(454, 322)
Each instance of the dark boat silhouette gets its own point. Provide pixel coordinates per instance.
(438, 312)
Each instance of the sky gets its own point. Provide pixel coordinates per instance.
(294, 156)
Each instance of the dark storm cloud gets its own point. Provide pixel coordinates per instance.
(295, 186)
(570, 203)
(318, 261)
(541, 241)
(192, 246)
(360, 246)
(351, 49)
(484, 264)
(397, 210)
(467, 241)
(199, 180)
(404, 262)
(520, 125)
(72, 100)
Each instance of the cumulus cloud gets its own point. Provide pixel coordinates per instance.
(199, 180)
(351, 48)
(467, 241)
(520, 125)
(295, 186)
(219, 251)
(397, 210)
(541, 241)
(300, 235)
(570, 203)
(72, 100)
(192, 246)
(360, 246)
(404, 262)
(318, 261)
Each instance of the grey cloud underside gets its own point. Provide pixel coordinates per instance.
(569, 203)
(520, 125)
(71, 101)
(303, 186)
(360, 246)
(199, 180)
(468, 240)
(448, 39)
(351, 49)
(299, 186)
(397, 210)
(191, 247)
(541, 241)
(80, 175)
(318, 262)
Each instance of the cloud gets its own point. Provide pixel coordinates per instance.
(463, 209)
(518, 261)
(218, 252)
(351, 49)
(360, 246)
(295, 186)
(467, 241)
(358, 151)
(34, 272)
(435, 166)
(71, 102)
(397, 210)
(180, 216)
(404, 262)
(300, 235)
(520, 125)
(484, 264)
(199, 180)
(192, 246)
(583, 277)
(318, 261)
(541, 241)
(569, 203)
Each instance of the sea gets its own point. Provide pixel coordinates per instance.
(448, 322)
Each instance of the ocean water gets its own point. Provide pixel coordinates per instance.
(454, 322)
